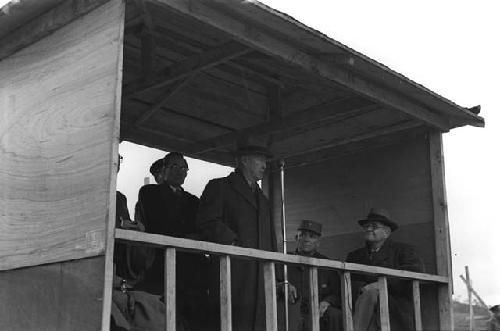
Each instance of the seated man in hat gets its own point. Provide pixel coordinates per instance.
(308, 240)
(381, 251)
(494, 322)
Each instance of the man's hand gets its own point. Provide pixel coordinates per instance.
(371, 286)
(293, 295)
(131, 225)
(323, 306)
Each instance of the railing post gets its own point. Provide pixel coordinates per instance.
(314, 298)
(416, 305)
(170, 289)
(270, 293)
(347, 301)
(383, 294)
(226, 318)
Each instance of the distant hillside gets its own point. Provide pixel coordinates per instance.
(461, 316)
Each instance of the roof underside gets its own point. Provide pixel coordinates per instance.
(200, 75)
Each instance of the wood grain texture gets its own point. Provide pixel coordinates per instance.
(58, 296)
(190, 245)
(58, 111)
(441, 229)
(416, 305)
(226, 314)
(314, 298)
(170, 283)
(347, 301)
(385, 324)
(270, 294)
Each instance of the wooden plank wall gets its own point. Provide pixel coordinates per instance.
(340, 191)
(59, 103)
(57, 132)
(58, 296)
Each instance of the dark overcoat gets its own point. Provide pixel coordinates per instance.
(393, 255)
(231, 213)
(329, 290)
(165, 212)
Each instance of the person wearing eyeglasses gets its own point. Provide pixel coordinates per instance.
(381, 251)
(167, 209)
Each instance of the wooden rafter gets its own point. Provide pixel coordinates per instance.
(265, 42)
(346, 106)
(189, 66)
(171, 91)
(390, 129)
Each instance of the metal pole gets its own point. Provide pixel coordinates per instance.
(283, 227)
(471, 308)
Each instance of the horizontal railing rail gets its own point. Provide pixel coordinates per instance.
(269, 259)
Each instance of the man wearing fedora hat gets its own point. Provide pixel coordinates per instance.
(381, 251)
(308, 240)
(234, 211)
(494, 322)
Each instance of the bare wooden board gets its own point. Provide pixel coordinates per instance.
(59, 296)
(57, 132)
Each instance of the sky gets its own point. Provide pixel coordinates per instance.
(452, 48)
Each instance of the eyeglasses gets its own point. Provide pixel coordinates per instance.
(178, 167)
(373, 226)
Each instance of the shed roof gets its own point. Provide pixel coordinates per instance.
(230, 67)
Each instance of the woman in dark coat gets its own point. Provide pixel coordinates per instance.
(234, 211)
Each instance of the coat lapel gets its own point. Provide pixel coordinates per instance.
(240, 186)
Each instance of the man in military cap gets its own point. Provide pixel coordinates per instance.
(308, 240)
(234, 211)
(381, 251)
(494, 322)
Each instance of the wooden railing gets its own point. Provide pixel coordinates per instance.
(269, 259)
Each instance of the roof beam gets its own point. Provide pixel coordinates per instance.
(347, 107)
(386, 130)
(263, 41)
(188, 67)
(45, 24)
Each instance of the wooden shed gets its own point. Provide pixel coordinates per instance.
(79, 76)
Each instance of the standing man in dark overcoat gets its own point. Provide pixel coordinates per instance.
(167, 209)
(381, 251)
(234, 211)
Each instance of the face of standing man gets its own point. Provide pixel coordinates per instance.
(175, 170)
(307, 242)
(253, 166)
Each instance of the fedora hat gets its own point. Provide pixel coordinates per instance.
(380, 215)
(495, 308)
(308, 225)
(252, 149)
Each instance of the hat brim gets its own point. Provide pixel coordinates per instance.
(310, 230)
(390, 224)
(253, 150)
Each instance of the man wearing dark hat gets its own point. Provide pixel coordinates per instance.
(167, 209)
(494, 322)
(234, 211)
(308, 240)
(156, 171)
(381, 251)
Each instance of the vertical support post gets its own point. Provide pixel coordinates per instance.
(226, 317)
(383, 294)
(314, 298)
(170, 289)
(270, 292)
(347, 301)
(469, 296)
(416, 305)
(441, 229)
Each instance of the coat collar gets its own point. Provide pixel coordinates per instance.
(241, 186)
(384, 251)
